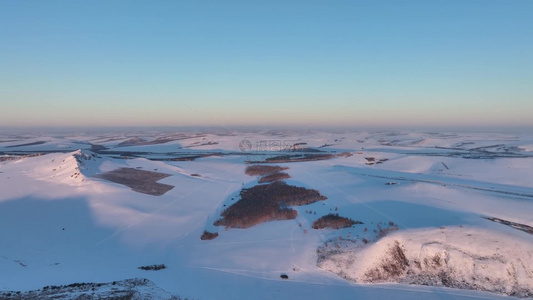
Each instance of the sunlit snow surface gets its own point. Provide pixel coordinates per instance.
(60, 223)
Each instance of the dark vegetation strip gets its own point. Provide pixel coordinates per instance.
(27, 144)
(298, 158)
(523, 227)
(17, 157)
(457, 152)
(136, 141)
(153, 267)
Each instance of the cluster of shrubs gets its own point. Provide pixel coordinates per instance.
(372, 160)
(383, 231)
(208, 235)
(345, 154)
(267, 202)
(334, 221)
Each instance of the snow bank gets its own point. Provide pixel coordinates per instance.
(466, 258)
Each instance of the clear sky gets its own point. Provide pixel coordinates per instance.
(331, 63)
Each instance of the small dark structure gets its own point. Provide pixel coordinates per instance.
(153, 267)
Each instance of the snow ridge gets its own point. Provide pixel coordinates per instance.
(69, 168)
(125, 289)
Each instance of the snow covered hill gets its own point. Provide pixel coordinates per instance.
(434, 196)
(466, 258)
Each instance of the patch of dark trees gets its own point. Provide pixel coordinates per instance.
(267, 202)
(334, 221)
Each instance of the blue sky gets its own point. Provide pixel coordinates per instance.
(330, 63)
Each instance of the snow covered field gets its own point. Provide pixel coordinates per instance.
(429, 194)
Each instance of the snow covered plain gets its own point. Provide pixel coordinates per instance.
(429, 194)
